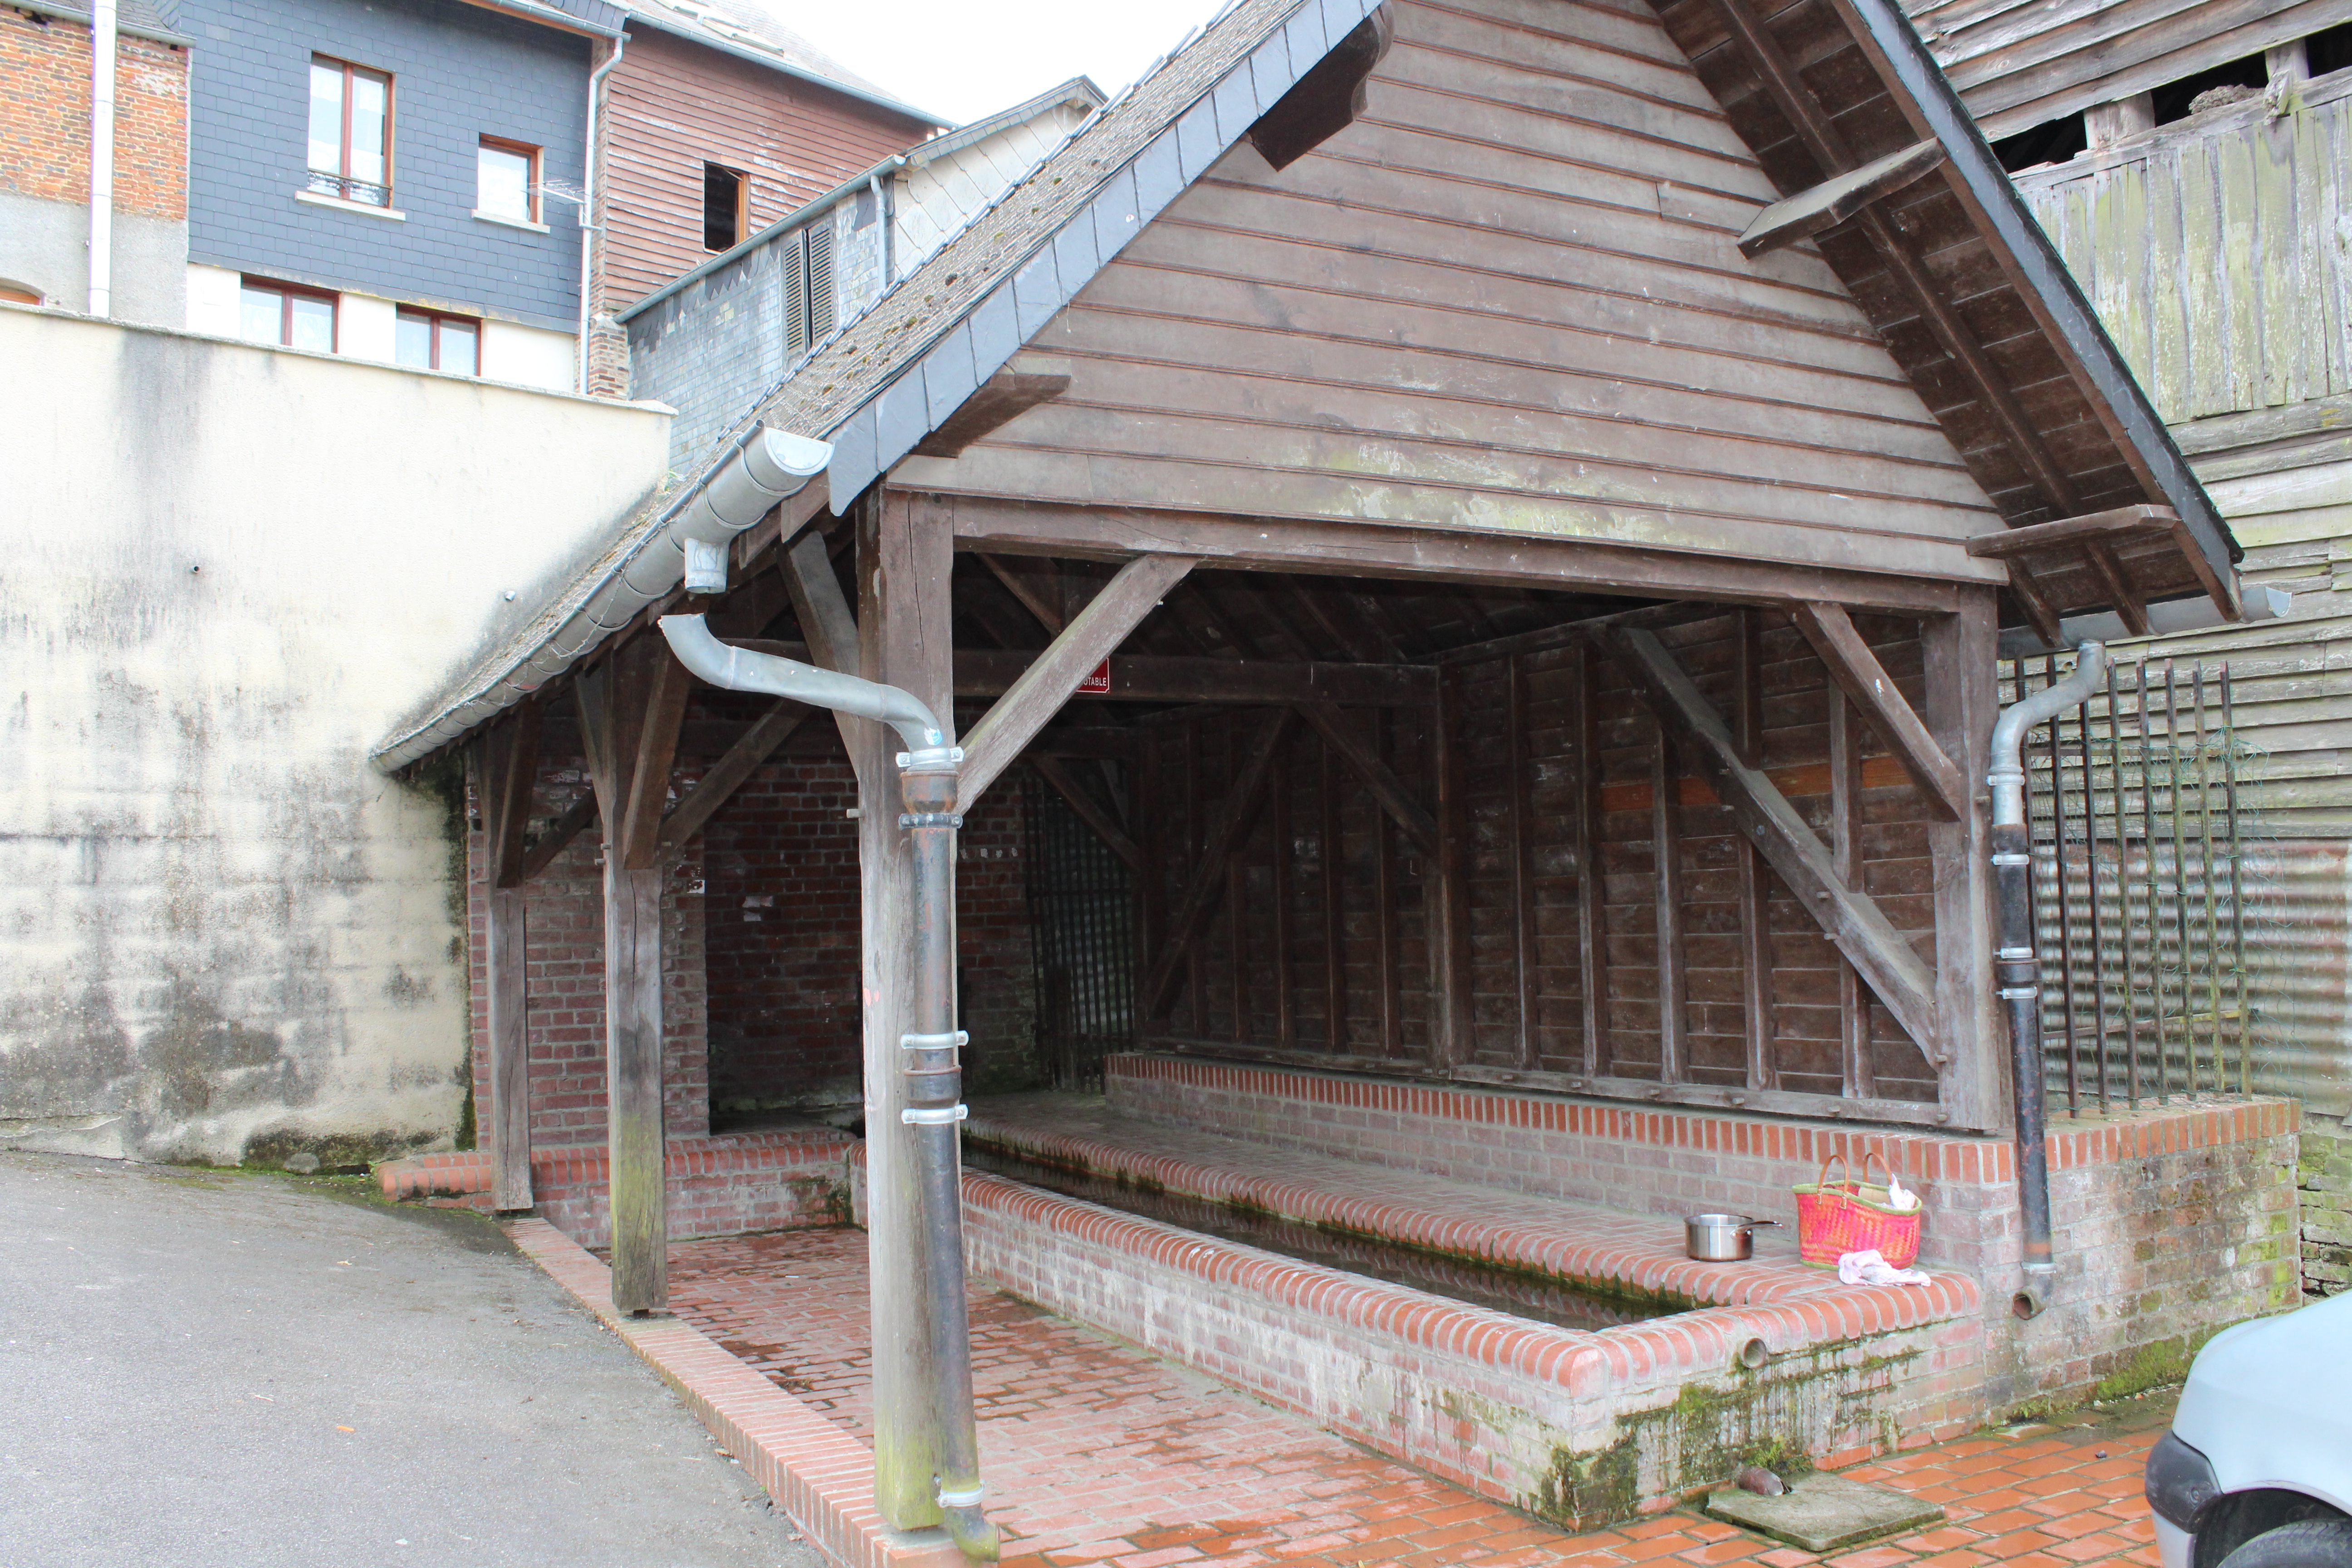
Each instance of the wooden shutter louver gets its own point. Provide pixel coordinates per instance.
(821, 303)
(797, 334)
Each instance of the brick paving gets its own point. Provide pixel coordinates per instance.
(1097, 1453)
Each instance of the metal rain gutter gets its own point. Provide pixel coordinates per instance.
(687, 545)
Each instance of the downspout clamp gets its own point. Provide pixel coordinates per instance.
(2016, 964)
(928, 1053)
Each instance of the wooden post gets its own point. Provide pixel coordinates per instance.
(1592, 901)
(1524, 955)
(905, 554)
(1196, 848)
(1755, 908)
(509, 762)
(630, 710)
(1449, 902)
(1858, 1074)
(1335, 906)
(1384, 910)
(1959, 707)
(1666, 858)
(1285, 978)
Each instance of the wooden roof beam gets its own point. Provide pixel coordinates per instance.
(2090, 526)
(1838, 198)
(1854, 667)
(1850, 920)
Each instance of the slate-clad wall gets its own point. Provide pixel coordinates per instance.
(460, 73)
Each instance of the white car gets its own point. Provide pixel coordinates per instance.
(2257, 1469)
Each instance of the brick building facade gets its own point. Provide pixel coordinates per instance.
(45, 109)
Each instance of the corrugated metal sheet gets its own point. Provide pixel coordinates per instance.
(2217, 253)
(2016, 63)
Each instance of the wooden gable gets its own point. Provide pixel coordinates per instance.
(1509, 297)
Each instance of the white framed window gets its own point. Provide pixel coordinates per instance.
(350, 132)
(505, 180)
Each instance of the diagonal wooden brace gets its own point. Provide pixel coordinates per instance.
(1849, 918)
(1042, 689)
(1866, 684)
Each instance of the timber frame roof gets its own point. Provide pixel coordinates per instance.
(1970, 296)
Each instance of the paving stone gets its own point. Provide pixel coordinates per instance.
(1822, 1512)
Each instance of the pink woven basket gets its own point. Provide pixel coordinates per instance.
(1834, 1218)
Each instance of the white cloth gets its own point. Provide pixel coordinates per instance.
(1900, 1196)
(1869, 1268)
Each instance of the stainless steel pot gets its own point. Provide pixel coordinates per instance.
(1721, 1237)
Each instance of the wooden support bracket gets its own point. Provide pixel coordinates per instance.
(1088, 809)
(1857, 672)
(510, 768)
(729, 774)
(1850, 921)
(1042, 689)
(1837, 199)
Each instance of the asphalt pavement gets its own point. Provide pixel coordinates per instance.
(202, 1369)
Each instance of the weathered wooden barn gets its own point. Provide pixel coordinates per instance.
(1495, 517)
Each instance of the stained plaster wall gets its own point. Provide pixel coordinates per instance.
(223, 933)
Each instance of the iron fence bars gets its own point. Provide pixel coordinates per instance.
(2140, 893)
(1082, 938)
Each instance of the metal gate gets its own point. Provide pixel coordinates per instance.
(1082, 937)
(2142, 902)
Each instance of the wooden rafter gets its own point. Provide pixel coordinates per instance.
(1850, 921)
(1836, 199)
(1243, 804)
(1855, 669)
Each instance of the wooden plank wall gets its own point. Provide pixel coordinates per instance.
(2016, 63)
(671, 106)
(1566, 340)
(1262, 981)
(2212, 254)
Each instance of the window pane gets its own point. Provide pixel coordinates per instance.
(371, 114)
(314, 323)
(326, 117)
(502, 185)
(411, 341)
(460, 347)
(260, 315)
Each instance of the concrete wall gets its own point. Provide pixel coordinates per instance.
(459, 72)
(45, 246)
(232, 568)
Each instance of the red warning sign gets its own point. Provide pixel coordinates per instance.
(1097, 681)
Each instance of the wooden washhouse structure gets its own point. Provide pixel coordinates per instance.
(1498, 511)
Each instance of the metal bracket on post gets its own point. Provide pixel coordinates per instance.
(943, 1116)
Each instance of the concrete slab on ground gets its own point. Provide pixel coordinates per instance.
(1823, 1511)
(214, 1369)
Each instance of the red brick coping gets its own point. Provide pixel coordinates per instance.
(1930, 1156)
(821, 1476)
(567, 1165)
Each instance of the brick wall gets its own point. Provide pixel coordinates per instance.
(760, 1007)
(2325, 1177)
(563, 922)
(45, 116)
(2168, 1225)
(781, 862)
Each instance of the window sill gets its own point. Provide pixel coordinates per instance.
(504, 221)
(340, 205)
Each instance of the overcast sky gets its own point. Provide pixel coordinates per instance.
(964, 60)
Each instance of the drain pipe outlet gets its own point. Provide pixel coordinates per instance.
(931, 1053)
(771, 466)
(2016, 964)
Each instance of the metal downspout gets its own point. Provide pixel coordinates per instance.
(2016, 966)
(929, 1053)
(588, 229)
(101, 299)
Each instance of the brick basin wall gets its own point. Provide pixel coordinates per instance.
(1578, 1427)
(2325, 1176)
(724, 1185)
(2170, 1225)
